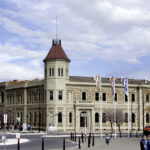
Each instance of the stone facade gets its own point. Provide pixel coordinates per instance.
(60, 100)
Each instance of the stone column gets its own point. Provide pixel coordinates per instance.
(93, 120)
(25, 105)
(64, 119)
(77, 120)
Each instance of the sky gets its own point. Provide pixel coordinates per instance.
(107, 37)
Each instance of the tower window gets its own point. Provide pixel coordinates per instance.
(51, 95)
(60, 95)
(97, 96)
(59, 72)
(62, 72)
(84, 96)
(52, 72)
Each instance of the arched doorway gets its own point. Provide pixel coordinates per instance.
(83, 119)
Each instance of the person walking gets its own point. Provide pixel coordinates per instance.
(143, 143)
(148, 143)
(107, 139)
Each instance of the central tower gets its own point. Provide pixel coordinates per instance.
(56, 74)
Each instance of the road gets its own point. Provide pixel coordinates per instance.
(35, 143)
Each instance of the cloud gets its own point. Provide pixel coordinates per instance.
(115, 31)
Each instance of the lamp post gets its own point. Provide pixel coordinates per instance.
(39, 113)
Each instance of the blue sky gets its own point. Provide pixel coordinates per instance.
(107, 37)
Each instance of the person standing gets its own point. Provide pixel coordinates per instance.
(107, 139)
(148, 143)
(144, 143)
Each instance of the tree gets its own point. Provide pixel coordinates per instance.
(119, 119)
(110, 117)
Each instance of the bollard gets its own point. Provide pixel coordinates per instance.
(120, 135)
(136, 134)
(42, 143)
(75, 136)
(18, 144)
(79, 143)
(130, 134)
(93, 140)
(64, 144)
(71, 136)
(88, 141)
(82, 138)
(90, 138)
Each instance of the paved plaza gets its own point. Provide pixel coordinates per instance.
(115, 144)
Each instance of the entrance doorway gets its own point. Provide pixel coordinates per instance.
(83, 119)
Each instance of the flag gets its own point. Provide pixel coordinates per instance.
(113, 85)
(125, 84)
(97, 79)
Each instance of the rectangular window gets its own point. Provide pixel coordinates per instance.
(58, 72)
(126, 98)
(97, 96)
(133, 97)
(62, 72)
(60, 95)
(34, 118)
(84, 96)
(116, 97)
(104, 96)
(147, 98)
(52, 72)
(51, 95)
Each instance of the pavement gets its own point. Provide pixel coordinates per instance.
(115, 144)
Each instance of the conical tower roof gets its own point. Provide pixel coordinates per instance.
(56, 52)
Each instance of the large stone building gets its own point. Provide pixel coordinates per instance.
(61, 100)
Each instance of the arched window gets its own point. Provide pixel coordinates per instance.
(147, 118)
(133, 118)
(59, 117)
(96, 117)
(104, 118)
(70, 117)
(126, 117)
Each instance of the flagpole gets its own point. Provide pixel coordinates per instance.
(114, 107)
(101, 124)
(128, 113)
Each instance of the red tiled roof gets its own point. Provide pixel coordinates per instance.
(56, 52)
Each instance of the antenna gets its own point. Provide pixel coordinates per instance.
(56, 28)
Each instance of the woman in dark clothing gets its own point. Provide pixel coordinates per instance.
(144, 143)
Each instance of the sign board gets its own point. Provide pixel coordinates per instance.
(18, 135)
(84, 114)
(3, 139)
(5, 118)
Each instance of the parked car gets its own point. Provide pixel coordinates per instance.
(147, 130)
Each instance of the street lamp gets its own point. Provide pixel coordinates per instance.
(39, 113)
